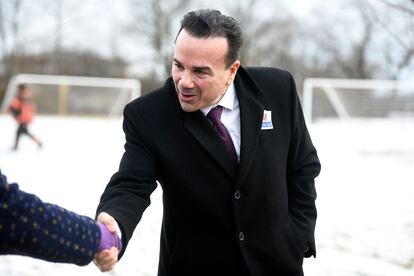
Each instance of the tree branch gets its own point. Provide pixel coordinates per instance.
(387, 28)
(399, 7)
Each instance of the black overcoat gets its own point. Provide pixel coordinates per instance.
(255, 219)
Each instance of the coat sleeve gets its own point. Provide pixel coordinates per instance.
(302, 168)
(127, 194)
(30, 227)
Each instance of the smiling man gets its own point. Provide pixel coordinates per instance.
(232, 153)
(201, 71)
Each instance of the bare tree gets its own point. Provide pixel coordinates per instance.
(400, 36)
(406, 7)
(357, 64)
(263, 36)
(153, 23)
(3, 36)
(252, 29)
(62, 13)
(10, 22)
(57, 51)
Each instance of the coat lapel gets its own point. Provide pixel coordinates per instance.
(251, 116)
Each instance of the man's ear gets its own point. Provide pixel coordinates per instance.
(232, 71)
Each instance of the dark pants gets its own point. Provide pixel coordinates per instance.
(23, 129)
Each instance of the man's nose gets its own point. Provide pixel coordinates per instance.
(186, 80)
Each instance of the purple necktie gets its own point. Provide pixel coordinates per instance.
(214, 115)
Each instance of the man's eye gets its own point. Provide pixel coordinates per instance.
(200, 72)
(178, 65)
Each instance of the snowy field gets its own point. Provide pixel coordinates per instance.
(365, 193)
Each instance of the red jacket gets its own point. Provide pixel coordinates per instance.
(22, 110)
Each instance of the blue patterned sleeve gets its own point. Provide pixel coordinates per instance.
(45, 231)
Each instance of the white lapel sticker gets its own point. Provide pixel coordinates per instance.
(267, 120)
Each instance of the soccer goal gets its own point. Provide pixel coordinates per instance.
(356, 98)
(75, 95)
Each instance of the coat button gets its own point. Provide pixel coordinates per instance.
(242, 236)
(237, 194)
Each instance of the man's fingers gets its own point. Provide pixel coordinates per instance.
(108, 220)
(106, 259)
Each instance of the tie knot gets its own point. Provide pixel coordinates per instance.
(215, 113)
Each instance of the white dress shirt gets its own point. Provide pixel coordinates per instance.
(230, 116)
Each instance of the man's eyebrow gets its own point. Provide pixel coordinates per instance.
(202, 68)
(199, 68)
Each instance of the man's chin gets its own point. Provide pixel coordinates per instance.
(187, 107)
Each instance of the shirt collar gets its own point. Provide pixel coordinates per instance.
(227, 101)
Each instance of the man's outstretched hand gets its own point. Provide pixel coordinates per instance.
(106, 259)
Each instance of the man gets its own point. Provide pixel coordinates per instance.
(250, 215)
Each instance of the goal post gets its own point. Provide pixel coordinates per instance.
(357, 98)
(75, 95)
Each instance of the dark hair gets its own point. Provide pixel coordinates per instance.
(21, 87)
(212, 23)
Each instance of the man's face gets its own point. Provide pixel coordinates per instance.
(199, 70)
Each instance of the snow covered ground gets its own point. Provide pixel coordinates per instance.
(365, 193)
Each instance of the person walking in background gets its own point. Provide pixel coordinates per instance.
(230, 148)
(49, 232)
(23, 109)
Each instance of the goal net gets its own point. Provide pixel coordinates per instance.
(354, 98)
(75, 95)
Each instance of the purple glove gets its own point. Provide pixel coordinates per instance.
(108, 239)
